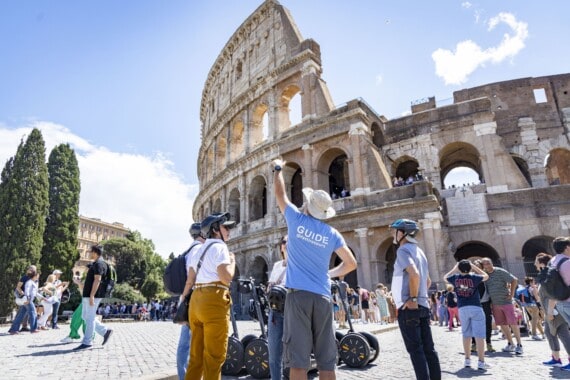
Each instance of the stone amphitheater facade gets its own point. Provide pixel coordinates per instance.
(513, 134)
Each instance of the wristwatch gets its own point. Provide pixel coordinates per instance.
(414, 299)
(277, 168)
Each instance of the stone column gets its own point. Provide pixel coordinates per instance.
(529, 140)
(308, 163)
(431, 229)
(358, 182)
(243, 209)
(363, 269)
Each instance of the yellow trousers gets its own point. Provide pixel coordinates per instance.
(209, 321)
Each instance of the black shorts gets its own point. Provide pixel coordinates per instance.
(365, 305)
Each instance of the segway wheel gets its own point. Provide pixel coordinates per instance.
(234, 357)
(338, 335)
(355, 350)
(257, 358)
(248, 338)
(374, 345)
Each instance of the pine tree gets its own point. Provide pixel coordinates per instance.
(60, 237)
(24, 208)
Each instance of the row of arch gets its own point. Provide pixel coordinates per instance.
(243, 136)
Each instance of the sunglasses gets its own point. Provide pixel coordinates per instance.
(283, 242)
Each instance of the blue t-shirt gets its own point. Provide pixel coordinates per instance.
(467, 288)
(408, 254)
(310, 245)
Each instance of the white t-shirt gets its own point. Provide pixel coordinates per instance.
(195, 246)
(278, 270)
(217, 255)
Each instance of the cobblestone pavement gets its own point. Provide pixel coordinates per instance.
(147, 350)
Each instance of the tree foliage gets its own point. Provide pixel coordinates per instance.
(24, 209)
(127, 293)
(151, 287)
(60, 237)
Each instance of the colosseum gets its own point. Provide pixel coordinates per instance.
(514, 135)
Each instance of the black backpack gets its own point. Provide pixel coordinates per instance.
(175, 274)
(552, 282)
(107, 282)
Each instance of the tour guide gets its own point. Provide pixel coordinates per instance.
(308, 307)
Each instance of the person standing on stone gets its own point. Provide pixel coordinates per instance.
(93, 293)
(466, 286)
(410, 284)
(183, 350)
(308, 321)
(60, 286)
(502, 286)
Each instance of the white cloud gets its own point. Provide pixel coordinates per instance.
(379, 79)
(455, 67)
(466, 4)
(144, 193)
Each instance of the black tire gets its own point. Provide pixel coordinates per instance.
(248, 338)
(338, 335)
(373, 342)
(355, 350)
(256, 358)
(234, 357)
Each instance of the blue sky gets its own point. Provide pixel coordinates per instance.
(122, 80)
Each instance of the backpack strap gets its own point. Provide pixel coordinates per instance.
(202, 258)
(559, 264)
(190, 248)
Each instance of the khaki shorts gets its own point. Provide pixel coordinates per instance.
(308, 318)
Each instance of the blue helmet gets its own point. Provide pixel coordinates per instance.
(213, 222)
(408, 226)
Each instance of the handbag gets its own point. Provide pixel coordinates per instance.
(181, 317)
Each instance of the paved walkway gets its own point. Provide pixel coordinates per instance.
(147, 350)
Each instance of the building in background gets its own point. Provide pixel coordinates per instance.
(91, 232)
(514, 135)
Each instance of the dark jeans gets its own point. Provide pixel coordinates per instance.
(416, 332)
(54, 315)
(488, 320)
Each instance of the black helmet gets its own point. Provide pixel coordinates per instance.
(276, 298)
(195, 230)
(214, 221)
(408, 226)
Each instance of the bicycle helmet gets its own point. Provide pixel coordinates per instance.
(195, 230)
(213, 222)
(276, 298)
(408, 227)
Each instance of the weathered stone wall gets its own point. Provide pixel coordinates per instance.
(518, 147)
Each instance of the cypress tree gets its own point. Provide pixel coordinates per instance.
(24, 196)
(60, 237)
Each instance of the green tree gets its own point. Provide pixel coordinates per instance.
(151, 287)
(24, 209)
(130, 260)
(127, 293)
(60, 237)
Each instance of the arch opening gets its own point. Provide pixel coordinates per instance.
(258, 198)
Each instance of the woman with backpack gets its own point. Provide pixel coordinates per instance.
(451, 302)
(530, 299)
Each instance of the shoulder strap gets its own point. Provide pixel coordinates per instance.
(562, 261)
(202, 258)
(190, 248)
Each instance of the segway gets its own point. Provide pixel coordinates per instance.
(256, 357)
(356, 349)
(234, 355)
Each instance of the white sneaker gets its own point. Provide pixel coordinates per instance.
(482, 365)
(467, 363)
(68, 339)
(536, 337)
(519, 350)
(509, 348)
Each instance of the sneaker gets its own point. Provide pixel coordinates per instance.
(14, 332)
(553, 362)
(566, 367)
(106, 336)
(490, 348)
(69, 339)
(24, 329)
(81, 347)
(519, 350)
(467, 363)
(55, 327)
(482, 366)
(509, 348)
(536, 337)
